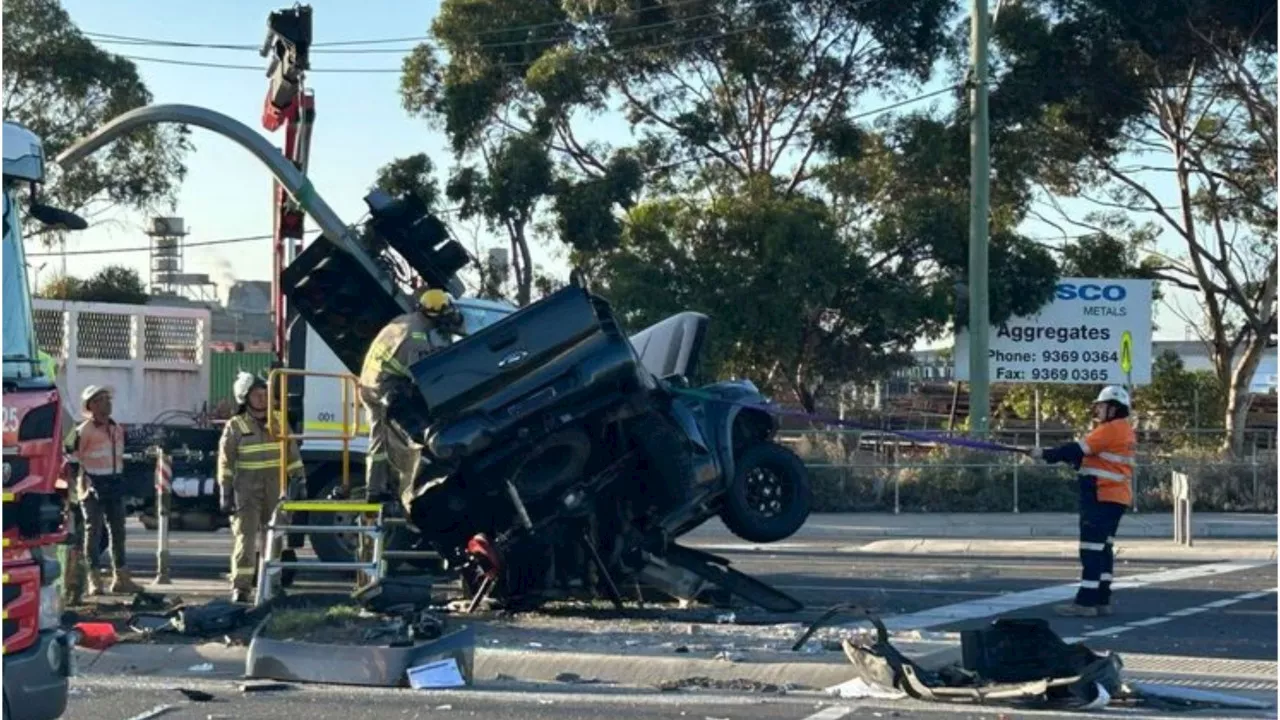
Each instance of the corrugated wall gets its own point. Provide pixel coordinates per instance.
(225, 365)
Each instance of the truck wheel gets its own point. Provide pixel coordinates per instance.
(769, 497)
(341, 547)
(666, 468)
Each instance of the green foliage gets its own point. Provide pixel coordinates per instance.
(111, 284)
(1116, 92)
(61, 86)
(1066, 404)
(1181, 399)
(794, 307)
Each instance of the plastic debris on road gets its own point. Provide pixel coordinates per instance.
(857, 689)
(437, 675)
(201, 668)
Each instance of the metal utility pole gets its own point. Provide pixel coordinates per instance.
(979, 214)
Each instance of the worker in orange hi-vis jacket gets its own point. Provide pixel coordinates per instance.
(1104, 460)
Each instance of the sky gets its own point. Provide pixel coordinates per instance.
(360, 127)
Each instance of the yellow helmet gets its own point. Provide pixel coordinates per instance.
(435, 302)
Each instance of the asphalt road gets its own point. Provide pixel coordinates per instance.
(821, 576)
(1211, 619)
(142, 699)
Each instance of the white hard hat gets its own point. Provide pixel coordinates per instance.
(243, 384)
(90, 393)
(1114, 393)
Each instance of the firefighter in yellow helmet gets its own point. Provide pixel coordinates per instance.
(249, 478)
(385, 373)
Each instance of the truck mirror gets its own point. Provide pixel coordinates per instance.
(57, 218)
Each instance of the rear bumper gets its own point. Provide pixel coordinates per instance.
(36, 680)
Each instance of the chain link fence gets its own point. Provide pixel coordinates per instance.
(878, 472)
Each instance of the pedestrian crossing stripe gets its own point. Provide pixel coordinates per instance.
(1126, 352)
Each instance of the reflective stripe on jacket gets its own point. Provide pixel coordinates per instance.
(248, 451)
(1109, 456)
(403, 342)
(98, 448)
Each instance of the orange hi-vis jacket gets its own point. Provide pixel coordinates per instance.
(98, 448)
(1109, 455)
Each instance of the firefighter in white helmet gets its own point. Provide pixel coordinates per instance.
(385, 373)
(1104, 461)
(249, 477)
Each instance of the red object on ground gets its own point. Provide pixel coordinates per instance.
(485, 554)
(97, 635)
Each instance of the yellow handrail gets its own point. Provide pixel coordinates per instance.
(349, 398)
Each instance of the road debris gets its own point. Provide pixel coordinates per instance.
(199, 696)
(259, 687)
(154, 712)
(201, 668)
(438, 675)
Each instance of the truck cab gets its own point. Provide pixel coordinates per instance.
(37, 650)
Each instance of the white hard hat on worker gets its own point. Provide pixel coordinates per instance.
(91, 393)
(1112, 402)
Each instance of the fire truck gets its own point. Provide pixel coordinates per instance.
(37, 649)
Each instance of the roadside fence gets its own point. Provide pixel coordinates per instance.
(877, 472)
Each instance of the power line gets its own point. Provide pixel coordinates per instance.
(202, 243)
(421, 38)
(513, 64)
(319, 47)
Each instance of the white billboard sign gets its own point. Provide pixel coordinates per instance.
(1093, 332)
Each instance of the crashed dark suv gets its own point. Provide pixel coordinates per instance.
(559, 454)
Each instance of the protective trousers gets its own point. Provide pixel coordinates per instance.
(1098, 524)
(71, 557)
(255, 501)
(390, 457)
(102, 502)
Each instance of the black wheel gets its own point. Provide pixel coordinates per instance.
(665, 471)
(341, 547)
(769, 497)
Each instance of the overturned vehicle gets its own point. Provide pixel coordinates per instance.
(557, 452)
(559, 455)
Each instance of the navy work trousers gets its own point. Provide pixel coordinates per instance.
(1098, 524)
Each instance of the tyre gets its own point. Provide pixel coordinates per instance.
(769, 497)
(666, 467)
(340, 547)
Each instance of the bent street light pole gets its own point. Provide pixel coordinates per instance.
(979, 213)
(289, 176)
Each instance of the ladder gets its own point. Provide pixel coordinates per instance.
(369, 519)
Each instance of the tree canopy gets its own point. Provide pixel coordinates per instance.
(61, 86)
(1179, 95)
(111, 284)
(753, 189)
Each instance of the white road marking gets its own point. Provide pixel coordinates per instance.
(998, 605)
(1257, 595)
(1151, 621)
(877, 589)
(835, 712)
(1107, 632)
(1222, 603)
(1184, 612)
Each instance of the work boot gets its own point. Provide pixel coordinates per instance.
(93, 582)
(1076, 610)
(123, 584)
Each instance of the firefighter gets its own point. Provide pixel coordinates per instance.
(385, 374)
(1104, 460)
(95, 448)
(249, 478)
